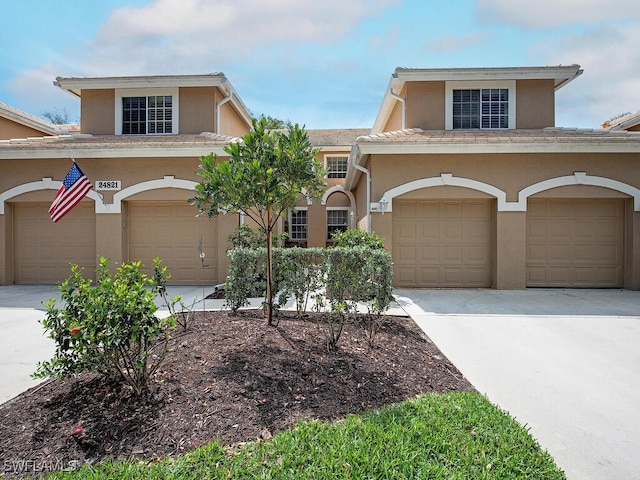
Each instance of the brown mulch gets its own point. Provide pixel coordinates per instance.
(230, 378)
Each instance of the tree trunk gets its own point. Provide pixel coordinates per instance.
(269, 295)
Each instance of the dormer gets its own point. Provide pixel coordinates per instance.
(472, 98)
(158, 105)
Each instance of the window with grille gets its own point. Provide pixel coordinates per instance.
(337, 221)
(481, 108)
(298, 225)
(147, 115)
(337, 166)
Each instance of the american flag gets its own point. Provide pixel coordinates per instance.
(73, 189)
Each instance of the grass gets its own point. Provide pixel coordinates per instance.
(448, 436)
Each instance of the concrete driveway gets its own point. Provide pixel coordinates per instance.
(564, 362)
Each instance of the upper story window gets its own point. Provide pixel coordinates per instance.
(336, 166)
(139, 114)
(481, 105)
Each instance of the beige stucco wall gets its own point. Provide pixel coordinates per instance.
(231, 123)
(425, 105)
(510, 173)
(10, 129)
(197, 109)
(535, 104)
(97, 112)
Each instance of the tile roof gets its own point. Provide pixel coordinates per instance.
(336, 136)
(114, 145)
(539, 136)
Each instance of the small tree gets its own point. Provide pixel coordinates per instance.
(264, 177)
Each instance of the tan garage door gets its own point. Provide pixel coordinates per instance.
(169, 230)
(442, 243)
(44, 250)
(575, 243)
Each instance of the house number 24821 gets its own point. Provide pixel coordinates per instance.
(108, 185)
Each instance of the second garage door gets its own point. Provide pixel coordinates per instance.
(442, 243)
(171, 231)
(575, 243)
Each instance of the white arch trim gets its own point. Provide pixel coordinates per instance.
(338, 188)
(168, 181)
(444, 180)
(44, 184)
(579, 178)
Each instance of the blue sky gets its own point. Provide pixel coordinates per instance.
(324, 64)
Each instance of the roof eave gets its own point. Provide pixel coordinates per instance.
(36, 124)
(74, 85)
(154, 152)
(368, 148)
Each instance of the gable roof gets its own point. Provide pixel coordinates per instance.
(561, 75)
(28, 120)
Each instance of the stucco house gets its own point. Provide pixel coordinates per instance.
(463, 173)
(472, 185)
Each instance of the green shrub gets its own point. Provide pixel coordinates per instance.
(110, 328)
(248, 237)
(354, 237)
(335, 281)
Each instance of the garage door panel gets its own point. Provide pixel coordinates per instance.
(171, 231)
(453, 253)
(452, 238)
(575, 243)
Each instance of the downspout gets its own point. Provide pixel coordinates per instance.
(220, 103)
(404, 106)
(368, 175)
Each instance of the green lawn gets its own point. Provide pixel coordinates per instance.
(450, 436)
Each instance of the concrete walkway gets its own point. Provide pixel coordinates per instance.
(564, 362)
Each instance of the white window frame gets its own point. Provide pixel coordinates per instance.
(326, 164)
(331, 209)
(290, 218)
(450, 86)
(147, 92)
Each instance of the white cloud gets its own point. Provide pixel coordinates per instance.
(452, 43)
(200, 36)
(556, 13)
(610, 83)
(197, 33)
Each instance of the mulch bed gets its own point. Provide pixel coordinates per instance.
(230, 377)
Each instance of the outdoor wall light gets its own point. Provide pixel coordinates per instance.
(384, 203)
